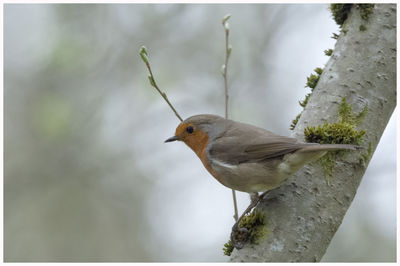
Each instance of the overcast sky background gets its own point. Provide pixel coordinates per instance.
(87, 176)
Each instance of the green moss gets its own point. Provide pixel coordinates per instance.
(327, 162)
(365, 10)
(345, 112)
(342, 132)
(318, 70)
(312, 82)
(256, 223)
(340, 12)
(335, 133)
(361, 116)
(294, 122)
(304, 102)
(346, 115)
(228, 248)
(313, 79)
(328, 52)
(366, 156)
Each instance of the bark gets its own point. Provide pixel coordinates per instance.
(305, 212)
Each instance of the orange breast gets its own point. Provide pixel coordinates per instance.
(198, 143)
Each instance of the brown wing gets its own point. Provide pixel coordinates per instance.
(247, 143)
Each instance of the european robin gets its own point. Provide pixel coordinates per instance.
(245, 157)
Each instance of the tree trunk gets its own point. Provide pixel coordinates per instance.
(305, 212)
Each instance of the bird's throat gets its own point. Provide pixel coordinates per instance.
(199, 145)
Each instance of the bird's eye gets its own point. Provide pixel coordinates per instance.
(189, 129)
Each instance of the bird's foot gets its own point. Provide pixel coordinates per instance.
(254, 198)
(240, 235)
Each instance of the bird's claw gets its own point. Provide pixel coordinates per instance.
(239, 236)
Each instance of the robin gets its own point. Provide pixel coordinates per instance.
(245, 157)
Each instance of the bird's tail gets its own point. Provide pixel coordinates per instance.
(329, 147)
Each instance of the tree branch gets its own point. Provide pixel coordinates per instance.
(144, 56)
(304, 213)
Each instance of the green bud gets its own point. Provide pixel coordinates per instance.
(227, 16)
(143, 50)
(151, 81)
(143, 54)
(226, 26)
(229, 50)
(223, 68)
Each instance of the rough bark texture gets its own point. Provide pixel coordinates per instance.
(304, 213)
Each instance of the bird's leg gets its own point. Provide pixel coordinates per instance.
(254, 199)
(239, 235)
(263, 194)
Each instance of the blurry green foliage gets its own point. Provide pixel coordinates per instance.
(52, 116)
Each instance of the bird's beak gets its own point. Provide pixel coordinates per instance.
(172, 139)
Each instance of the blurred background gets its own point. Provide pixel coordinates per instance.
(87, 176)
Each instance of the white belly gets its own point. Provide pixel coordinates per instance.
(249, 177)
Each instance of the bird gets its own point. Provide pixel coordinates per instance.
(245, 157)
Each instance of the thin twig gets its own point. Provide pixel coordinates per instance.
(228, 49)
(144, 56)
